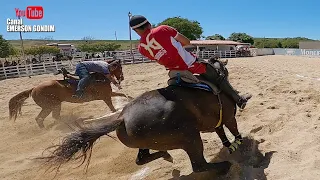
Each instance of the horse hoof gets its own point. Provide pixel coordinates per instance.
(220, 168)
(140, 162)
(168, 157)
(234, 146)
(223, 167)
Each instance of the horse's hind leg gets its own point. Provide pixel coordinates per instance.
(194, 148)
(42, 115)
(144, 156)
(56, 112)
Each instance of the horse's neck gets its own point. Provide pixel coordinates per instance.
(98, 76)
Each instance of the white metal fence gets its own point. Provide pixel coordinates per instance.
(48, 67)
(221, 54)
(51, 67)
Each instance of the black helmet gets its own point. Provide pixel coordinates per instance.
(137, 21)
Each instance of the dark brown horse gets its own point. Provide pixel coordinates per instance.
(162, 119)
(49, 95)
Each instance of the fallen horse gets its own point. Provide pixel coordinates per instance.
(162, 119)
(49, 95)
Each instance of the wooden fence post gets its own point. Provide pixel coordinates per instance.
(26, 68)
(17, 67)
(31, 69)
(44, 67)
(4, 71)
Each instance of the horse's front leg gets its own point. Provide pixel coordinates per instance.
(108, 101)
(113, 94)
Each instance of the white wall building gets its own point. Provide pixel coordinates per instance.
(65, 49)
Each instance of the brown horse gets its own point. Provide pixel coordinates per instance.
(49, 95)
(162, 119)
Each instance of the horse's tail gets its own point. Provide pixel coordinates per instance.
(15, 103)
(78, 144)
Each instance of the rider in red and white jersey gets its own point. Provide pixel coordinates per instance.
(166, 45)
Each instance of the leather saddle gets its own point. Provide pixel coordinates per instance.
(187, 79)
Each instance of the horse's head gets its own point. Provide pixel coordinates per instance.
(223, 64)
(116, 69)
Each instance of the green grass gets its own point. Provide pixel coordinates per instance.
(125, 44)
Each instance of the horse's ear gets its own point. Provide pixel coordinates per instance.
(109, 61)
(224, 62)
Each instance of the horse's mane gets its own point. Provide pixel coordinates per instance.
(114, 61)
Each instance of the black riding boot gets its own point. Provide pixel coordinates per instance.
(226, 87)
(218, 78)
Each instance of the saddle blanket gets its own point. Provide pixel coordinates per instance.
(187, 79)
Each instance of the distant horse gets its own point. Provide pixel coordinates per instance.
(162, 119)
(49, 95)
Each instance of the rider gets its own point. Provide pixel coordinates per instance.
(165, 45)
(83, 70)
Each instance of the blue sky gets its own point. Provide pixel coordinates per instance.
(100, 19)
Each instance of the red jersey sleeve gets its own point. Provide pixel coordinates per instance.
(169, 30)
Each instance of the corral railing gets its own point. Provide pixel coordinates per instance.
(51, 67)
(221, 54)
(48, 67)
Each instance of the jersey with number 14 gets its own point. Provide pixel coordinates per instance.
(160, 44)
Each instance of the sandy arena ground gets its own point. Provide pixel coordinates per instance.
(282, 121)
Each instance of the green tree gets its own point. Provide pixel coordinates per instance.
(13, 52)
(215, 37)
(4, 48)
(279, 44)
(190, 29)
(98, 47)
(39, 51)
(291, 43)
(241, 37)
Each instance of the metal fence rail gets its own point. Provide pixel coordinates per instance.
(51, 67)
(47, 67)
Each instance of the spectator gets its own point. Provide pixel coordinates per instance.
(6, 63)
(34, 60)
(14, 63)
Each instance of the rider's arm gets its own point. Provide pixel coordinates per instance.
(182, 39)
(71, 77)
(176, 35)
